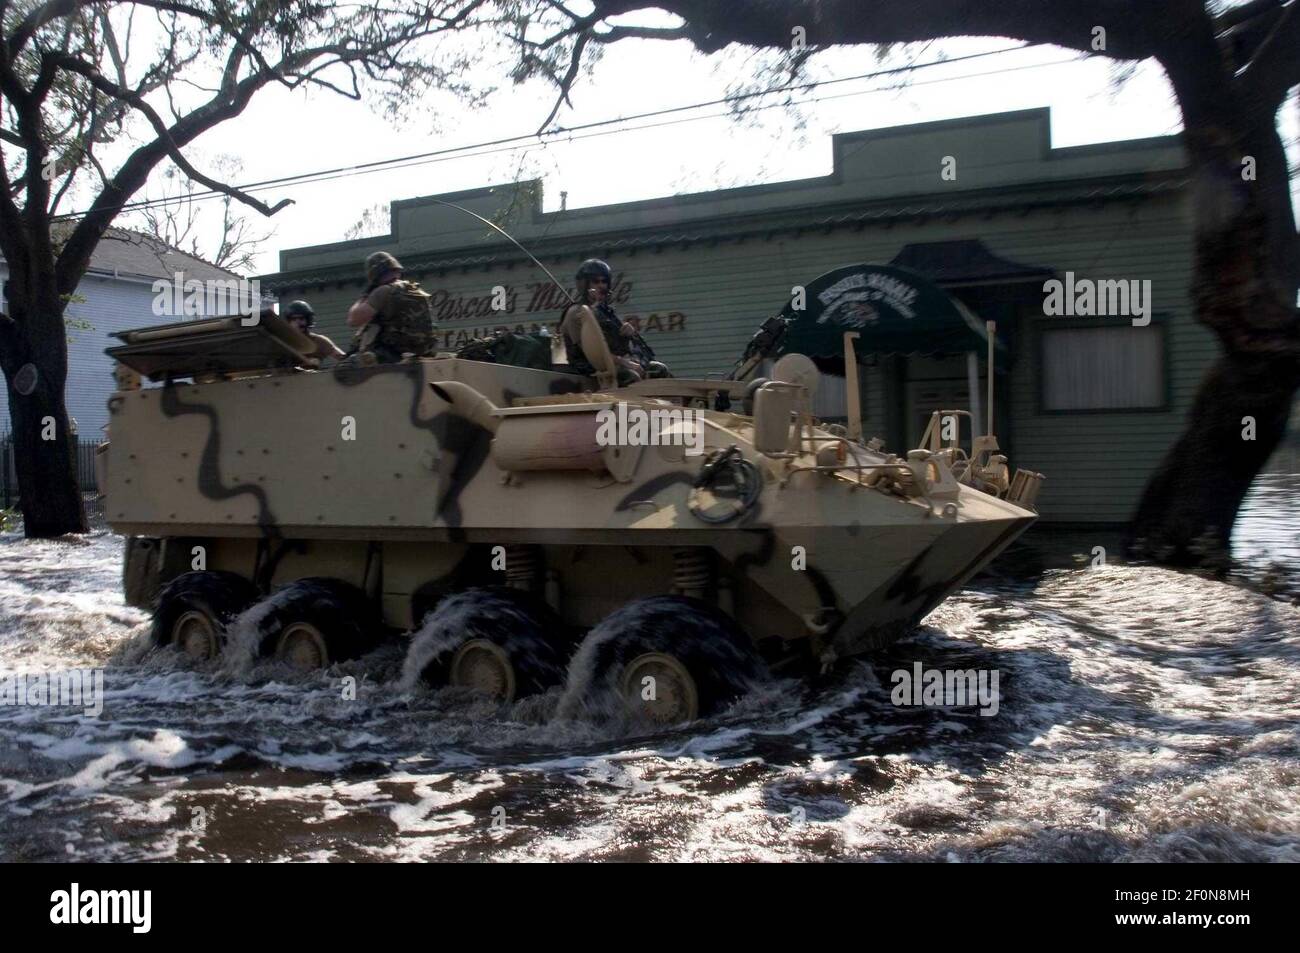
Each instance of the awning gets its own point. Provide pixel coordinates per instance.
(965, 261)
(896, 311)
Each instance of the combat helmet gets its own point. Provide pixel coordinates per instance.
(379, 264)
(300, 309)
(595, 268)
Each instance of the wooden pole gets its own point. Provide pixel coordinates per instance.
(991, 327)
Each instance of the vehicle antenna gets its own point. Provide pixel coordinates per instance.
(490, 224)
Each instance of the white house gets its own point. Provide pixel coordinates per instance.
(115, 294)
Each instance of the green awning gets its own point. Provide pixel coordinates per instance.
(896, 311)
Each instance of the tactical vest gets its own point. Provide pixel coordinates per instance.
(405, 323)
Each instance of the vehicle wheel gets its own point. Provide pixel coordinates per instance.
(501, 641)
(194, 609)
(313, 623)
(665, 660)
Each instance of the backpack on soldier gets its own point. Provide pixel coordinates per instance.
(406, 323)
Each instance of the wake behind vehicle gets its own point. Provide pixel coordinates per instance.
(517, 524)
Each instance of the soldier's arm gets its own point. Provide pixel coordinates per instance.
(360, 314)
(370, 306)
(326, 347)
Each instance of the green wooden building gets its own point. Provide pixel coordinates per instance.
(985, 208)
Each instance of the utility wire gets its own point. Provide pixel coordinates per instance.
(511, 142)
(347, 173)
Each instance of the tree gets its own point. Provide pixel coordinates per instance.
(1230, 67)
(76, 93)
(178, 221)
(375, 220)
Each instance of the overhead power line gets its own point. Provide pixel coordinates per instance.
(590, 129)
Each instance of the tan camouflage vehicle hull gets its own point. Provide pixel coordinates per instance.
(410, 482)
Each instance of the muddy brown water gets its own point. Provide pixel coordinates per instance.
(1142, 714)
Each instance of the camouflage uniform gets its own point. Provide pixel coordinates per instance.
(403, 321)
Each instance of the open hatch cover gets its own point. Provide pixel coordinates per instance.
(212, 346)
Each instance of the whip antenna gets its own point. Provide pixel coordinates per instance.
(563, 290)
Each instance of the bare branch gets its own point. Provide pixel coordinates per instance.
(107, 86)
(566, 83)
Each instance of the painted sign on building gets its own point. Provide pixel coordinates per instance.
(462, 317)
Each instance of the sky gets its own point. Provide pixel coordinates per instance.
(285, 133)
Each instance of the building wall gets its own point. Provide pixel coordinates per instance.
(1098, 463)
(699, 300)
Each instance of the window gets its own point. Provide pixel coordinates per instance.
(831, 400)
(1118, 367)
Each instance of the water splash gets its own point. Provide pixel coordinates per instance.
(1145, 715)
(499, 614)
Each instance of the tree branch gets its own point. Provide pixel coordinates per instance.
(37, 19)
(1235, 16)
(1274, 67)
(615, 33)
(108, 87)
(566, 82)
(1133, 30)
(135, 171)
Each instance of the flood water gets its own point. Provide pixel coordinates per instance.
(1142, 714)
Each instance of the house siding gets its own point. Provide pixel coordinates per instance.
(110, 304)
(116, 294)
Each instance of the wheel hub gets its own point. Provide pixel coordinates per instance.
(195, 634)
(658, 687)
(303, 646)
(484, 666)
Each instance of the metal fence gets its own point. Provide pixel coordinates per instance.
(9, 470)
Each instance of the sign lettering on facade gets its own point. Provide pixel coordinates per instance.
(476, 317)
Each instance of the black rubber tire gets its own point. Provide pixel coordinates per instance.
(348, 620)
(523, 625)
(219, 595)
(715, 650)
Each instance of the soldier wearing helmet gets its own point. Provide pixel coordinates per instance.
(633, 356)
(393, 318)
(301, 317)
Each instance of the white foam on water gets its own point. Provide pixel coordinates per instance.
(1144, 715)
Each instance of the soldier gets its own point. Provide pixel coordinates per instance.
(633, 356)
(301, 317)
(393, 317)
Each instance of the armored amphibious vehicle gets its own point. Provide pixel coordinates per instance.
(664, 542)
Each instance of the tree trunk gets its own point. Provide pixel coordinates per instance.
(1246, 271)
(1190, 503)
(44, 445)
